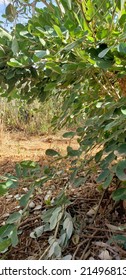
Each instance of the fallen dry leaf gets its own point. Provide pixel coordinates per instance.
(92, 211)
(75, 239)
(104, 255)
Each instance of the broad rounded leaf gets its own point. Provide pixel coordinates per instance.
(13, 218)
(104, 174)
(108, 181)
(14, 63)
(121, 170)
(122, 149)
(122, 48)
(52, 153)
(37, 232)
(25, 198)
(123, 110)
(119, 194)
(69, 134)
(3, 188)
(10, 12)
(4, 244)
(122, 20)
(6, 230)
(73, 153)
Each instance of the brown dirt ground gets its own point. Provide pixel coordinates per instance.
(95, 231)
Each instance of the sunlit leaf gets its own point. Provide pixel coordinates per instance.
(4, 244)
(58, 31)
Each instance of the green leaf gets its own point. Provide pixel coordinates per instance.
(103, 53)
(104, 174)
(122, 48)
(98, 156)
(47, 215)
(69, 134)
(50, 86)
(69, 4)
(122, 20)
(41, 54)
(119, 194)
(122, 149)
(78, 181)
(108, 181)
(123, 110)
(68, 226)
(61, 199)
(110, 125)
(5, 34)
(18, 170)
(72, 45)
(3, 188)
(55, 250)
(54, 67)
(14, 237)
(107, 160)
(37, 232)
(4, 244)
(6, 230)
(15, 47)
(2, 52)
(58, 31)
(120, 4)
(52, 153)
(67, 257)
(105, 64)
(73, 153)
(69, 229)
(29, 164)
(13, 218)
(55, 217)
(14, 63)
(10, 12)
(121, 170)
(11, 183)
(25, 198)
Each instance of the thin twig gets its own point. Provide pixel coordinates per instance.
(87, 246)
(78, 247)
(98, 207)
(45, 252)
(105, 230)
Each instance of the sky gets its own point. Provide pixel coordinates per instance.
(3, 4)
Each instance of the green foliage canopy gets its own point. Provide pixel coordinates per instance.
(67, 49)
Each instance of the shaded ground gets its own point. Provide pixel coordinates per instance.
(95, 213)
